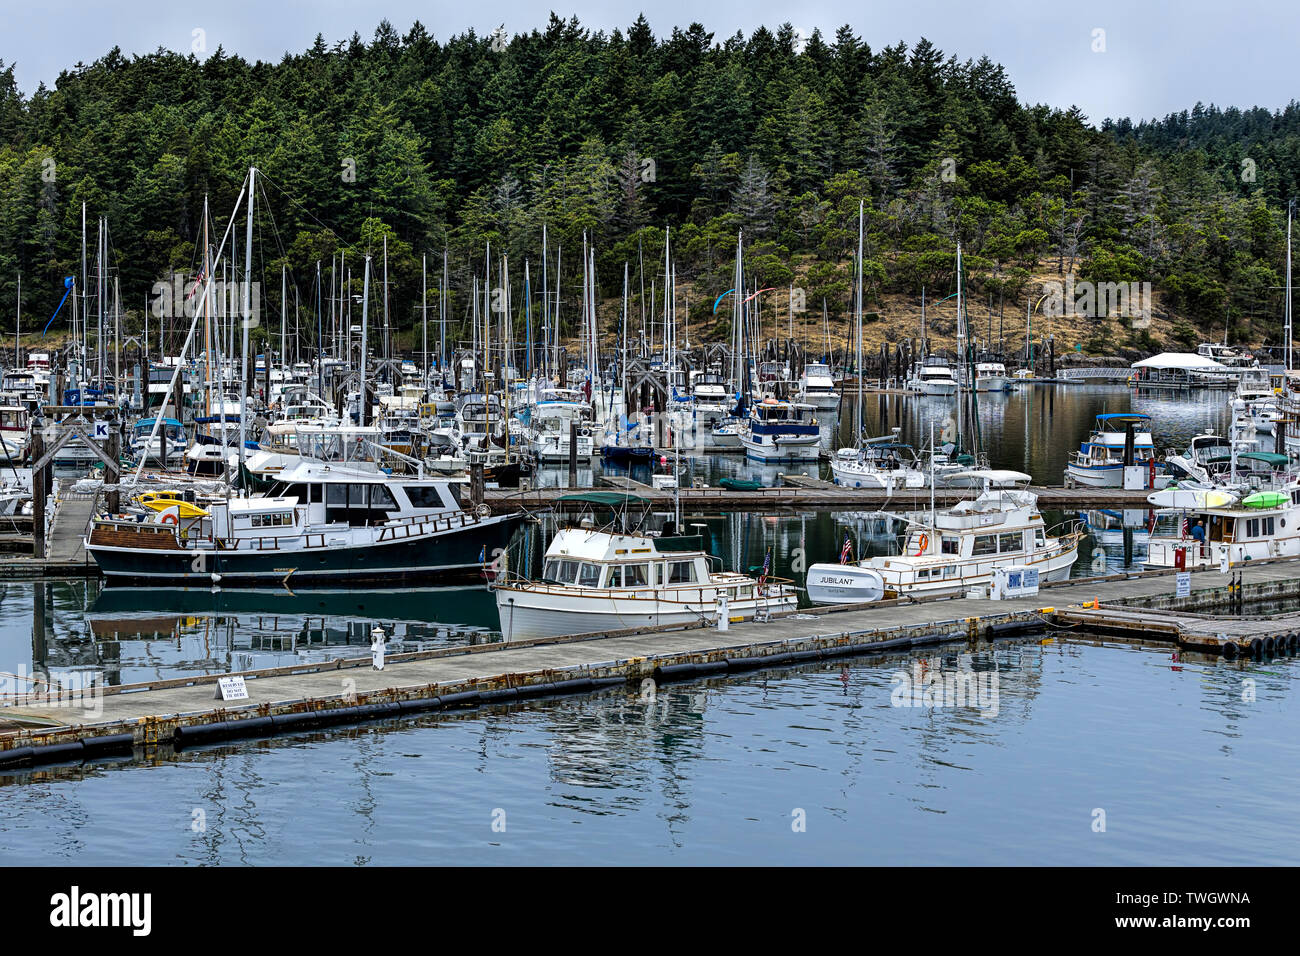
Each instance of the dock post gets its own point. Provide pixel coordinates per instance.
(573, 453)
(476, 483)
(113, 472)
(39, 491)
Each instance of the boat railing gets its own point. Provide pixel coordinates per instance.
(397, 529)
(681, 593)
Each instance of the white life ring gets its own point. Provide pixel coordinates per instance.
(585, 432)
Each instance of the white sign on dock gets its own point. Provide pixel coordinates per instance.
(99, 431)
(1183, 584)
(230, 688)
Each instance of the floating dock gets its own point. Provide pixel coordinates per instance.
(803, 491)
(184, 711)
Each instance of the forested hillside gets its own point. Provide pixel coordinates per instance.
(459, 141)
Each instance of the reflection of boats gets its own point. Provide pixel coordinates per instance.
(467, 605)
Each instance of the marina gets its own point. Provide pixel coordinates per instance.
(612, 442)
(295, 698)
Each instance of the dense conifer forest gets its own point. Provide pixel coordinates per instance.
(452, 143)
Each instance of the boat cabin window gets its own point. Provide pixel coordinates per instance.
(273, 519)
(424, 496)
(1040, 538)
(357, 503)
(636, 575)
(681, 572)
(589, 575)
(1255, 527)
(561, 571)
(1011, 541)
(985, 544)
(951, 545)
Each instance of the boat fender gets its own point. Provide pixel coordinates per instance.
(1257, 647)
(108, 744)
(16, 756)
(1269, 646)
(573, 685)
(420, 704)
(58, 753)
(467, 698)
(1229, 650)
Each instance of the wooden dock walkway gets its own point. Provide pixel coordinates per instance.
(66, 542)
(288, 699)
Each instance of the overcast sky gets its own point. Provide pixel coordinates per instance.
(1158, 57)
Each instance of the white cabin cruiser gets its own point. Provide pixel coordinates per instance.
(605, 580)
(817, 387)
(956, 549)
(1100, 461)
(1232, 529)
(991, 377)
(934, 376)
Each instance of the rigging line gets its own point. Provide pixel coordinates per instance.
(348, 246)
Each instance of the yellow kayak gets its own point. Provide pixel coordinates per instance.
(162, 500)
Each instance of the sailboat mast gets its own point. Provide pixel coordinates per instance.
(857, 362)
(247, 313)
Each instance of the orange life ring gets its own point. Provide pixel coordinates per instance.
(925, 543)
(169, 519)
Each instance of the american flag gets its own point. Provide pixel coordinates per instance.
(198, 281)
(767, 566)
(846, 552)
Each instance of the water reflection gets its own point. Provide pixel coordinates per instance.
(711, 771)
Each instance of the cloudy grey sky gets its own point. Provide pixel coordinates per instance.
(1159, 56)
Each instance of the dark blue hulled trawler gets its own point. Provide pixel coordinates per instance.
(319, 523)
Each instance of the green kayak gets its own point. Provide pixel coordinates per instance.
(1266, 499)
(740, 484)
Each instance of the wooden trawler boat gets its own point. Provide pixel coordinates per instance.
(320, 523)
(594, 580)
(956, 549)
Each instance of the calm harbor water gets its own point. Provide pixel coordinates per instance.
(1182, 763)
(810, 765)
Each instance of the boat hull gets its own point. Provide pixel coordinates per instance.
(844, 584)
(522, 616)
(799, 450)
(446, 557)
